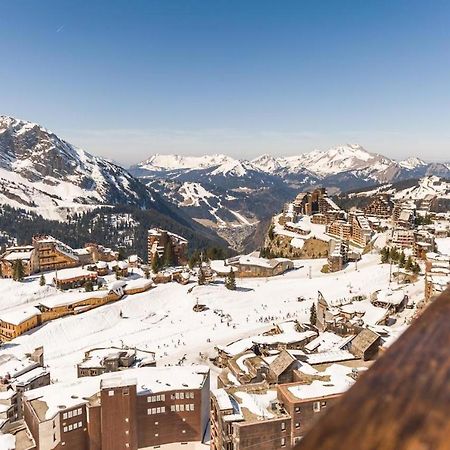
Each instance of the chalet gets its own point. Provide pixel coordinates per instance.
(102, 269)
(137, 286)
(395, 301)
(98, 361)
(365, 345)
(121, 269)
(15, 323)
(159, 240)
(61, 305)
(74, 278)
(284, 335)
(26, 255)
(252, 266)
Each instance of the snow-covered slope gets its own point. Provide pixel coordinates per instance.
(40, 171)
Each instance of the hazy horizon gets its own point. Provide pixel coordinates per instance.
(126, 80)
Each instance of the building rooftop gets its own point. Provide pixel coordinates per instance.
(47, 401)
(334, 380)
(20, 315)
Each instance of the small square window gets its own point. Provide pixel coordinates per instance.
(111, 393)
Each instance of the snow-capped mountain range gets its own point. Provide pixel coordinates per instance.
(350, 158)
(224, 192)
(41, 172)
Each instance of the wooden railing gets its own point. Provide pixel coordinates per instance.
(403, 401)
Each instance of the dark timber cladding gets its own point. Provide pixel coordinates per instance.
(403, 401)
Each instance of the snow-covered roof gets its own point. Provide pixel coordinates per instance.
(138, 283)
(30, 376)
(15, 255)
(62, 396)
(73, 272)
(390, 297)
(329, 357)
(223, 399)
(7, 441)
(20, 315)
(69, 298)
(14, 366)
(336, 380)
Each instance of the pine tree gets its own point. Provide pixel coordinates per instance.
(18, 270)
(156, 265)
(416, 269)
(201, 277)
(313, 315)
(271, 232)
(168, 256)
(147, 273)
(384, 255)
(393, 255)
(402, 260)
(409, 263)
(42, 280)
(230, 281)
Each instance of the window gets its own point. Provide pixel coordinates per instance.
(111, 393)
(182, 395)
(283, 442)
(163, 397)
(177, 395)
(163, 409)
(65, 429)
(70, 428)
(283, 426)
(316, 406)
(297, 409)
(297, 424)
(182, 408)
(79, 411)
(70, 414)
(125, 391)
(323, 404)
(172, 408)
(80, 424)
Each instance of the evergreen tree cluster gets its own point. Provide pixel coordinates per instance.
(392, 255)
(99, 226)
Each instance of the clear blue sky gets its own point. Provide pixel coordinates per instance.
(126, 79)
